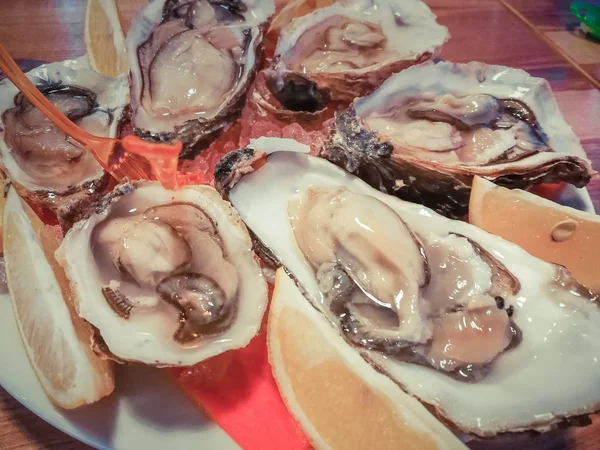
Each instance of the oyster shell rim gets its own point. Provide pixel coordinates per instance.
(258, 291)
(540, 425)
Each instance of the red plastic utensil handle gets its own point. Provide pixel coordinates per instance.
(163, 158)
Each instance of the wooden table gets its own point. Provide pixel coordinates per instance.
(555, 23)
(484, 30)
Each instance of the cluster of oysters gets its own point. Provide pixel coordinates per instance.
(471, 325)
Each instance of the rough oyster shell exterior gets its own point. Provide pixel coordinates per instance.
(145, 338)
(446, 188)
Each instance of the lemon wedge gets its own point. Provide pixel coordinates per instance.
(57, 341)
(549, 231)
(104, 38)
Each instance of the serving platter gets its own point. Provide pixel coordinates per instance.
(148, 409)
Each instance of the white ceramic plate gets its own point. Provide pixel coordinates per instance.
(147, 410)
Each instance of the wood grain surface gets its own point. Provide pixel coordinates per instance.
(483, 30)
(554, 20)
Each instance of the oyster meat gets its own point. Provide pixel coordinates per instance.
(427, 131)
(41, 161)
(191, 63)
(468, 323)
(346, 50)
(166, 277)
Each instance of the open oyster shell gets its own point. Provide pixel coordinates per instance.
(191, 63)
(427, 131)
(42, 163)
(467, 322)
(346, 50)
(166, 277)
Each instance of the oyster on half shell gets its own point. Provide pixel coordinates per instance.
(467, 322)
(427, 131)
(346, 50)
(191, 63)
(44, 164)
(166, 277)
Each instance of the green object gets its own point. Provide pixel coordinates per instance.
(589, 16)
